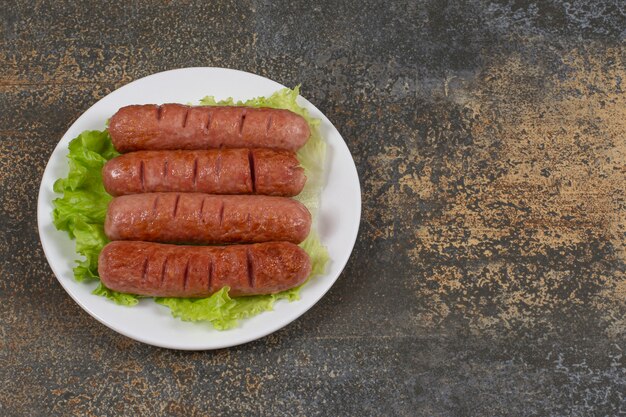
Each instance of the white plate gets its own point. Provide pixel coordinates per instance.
(148, 322)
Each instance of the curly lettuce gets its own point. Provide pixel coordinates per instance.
(81, 211)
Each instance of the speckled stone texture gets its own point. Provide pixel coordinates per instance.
(489, 277)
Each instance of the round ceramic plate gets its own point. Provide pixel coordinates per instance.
(337, 221)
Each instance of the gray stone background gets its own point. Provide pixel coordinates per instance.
(489, 275)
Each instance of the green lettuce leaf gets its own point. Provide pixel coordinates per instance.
(84, 198)
(90, 240)
(222, 311)
(82, 209)
(117, 297)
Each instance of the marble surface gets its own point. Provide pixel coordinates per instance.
(489, 277)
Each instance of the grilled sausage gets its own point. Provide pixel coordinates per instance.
(206, 219)
(217, 171)
(161, 270)
(175, 126)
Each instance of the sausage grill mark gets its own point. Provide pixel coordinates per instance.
(242, 120)
(185, 118)
(163, 268)
(164, 173)
(251, 166)
(176, 205)
(201, 212)
(154, 205)
(159, 113)
(144, 270)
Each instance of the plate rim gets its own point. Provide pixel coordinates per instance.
(42, 213)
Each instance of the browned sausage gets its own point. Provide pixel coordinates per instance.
(216, 171)
(175, 126)
(205, 218)
(160, 270)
